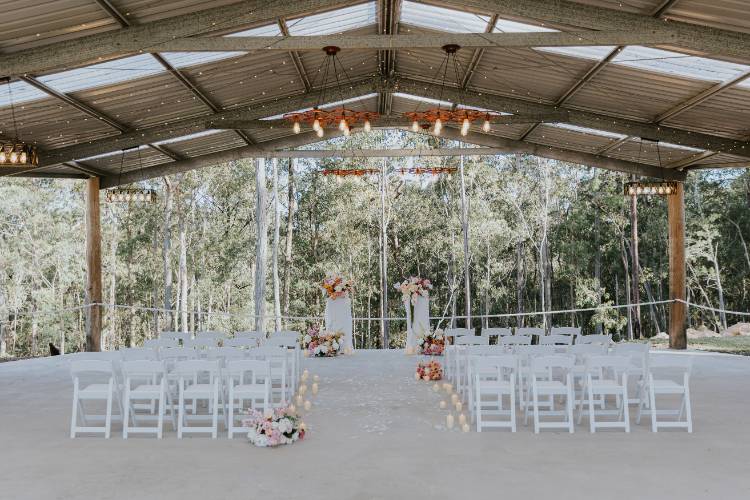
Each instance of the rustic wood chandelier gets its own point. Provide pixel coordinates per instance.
(341, 116)
(16, 153)
(439, 117)
(637, 188)
(130, 195)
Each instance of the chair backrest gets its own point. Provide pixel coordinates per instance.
(516, 340)
(137, 353)
(472, 340)
(638, 353)
(587, 350)
(143, 371)
(496, 332)
(499, 368)
(213, 335)
(160, 342)
(671, 363)
(203, 343)
(287, 333)
(556, 340)
(250, 334)
(542, 363)
(535, 350)
(529, 331)
(565, 330)
(248, 371)
(226, 353)
(91, 371)
(458, 332)
(179, 336)
(193, 369)
(281, 341)
(618, 364)
(266, 352)
(177, 354)
(484, 350)
(594, 339)
(240, 342)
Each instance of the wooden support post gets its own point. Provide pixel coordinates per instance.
(677, 273)
(93, 267)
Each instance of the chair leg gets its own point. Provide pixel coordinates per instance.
(230, 413)
(569, 404)
(688, 409)
(625, 407)
(652, 400)
(180, 410)
(512, 410)
(592, 418)
(160, 423)
(535, 402)
(126, 414)
(215, 419)
(74, 416)
(108, 417)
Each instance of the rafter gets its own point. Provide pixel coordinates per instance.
(116, 43)
(588, 119)
(296, 59)
(389, 16)
(476, 56)
(701, 97)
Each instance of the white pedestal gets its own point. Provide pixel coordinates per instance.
(339, 319)
(420, 323)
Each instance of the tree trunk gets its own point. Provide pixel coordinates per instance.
(261, 243)
(182, 270)
(626, 269)
(275, 252)
(383, 260)
(111, 340)
(520, 281)
(291, 201)
(597, 265)
(719, 287)
(467, 257)
(635, 268)
(166, 251)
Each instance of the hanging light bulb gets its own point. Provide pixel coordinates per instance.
(415, 126)
(465, 126)
(342, 124)
(368, 127)
(2, 156)
(23, 157)
(347, 130)
(319, 132)
(13, 156)
(295, 127)
(486, 125)
(438, 126)
(316, 125)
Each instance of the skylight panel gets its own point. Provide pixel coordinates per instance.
(585, 130)
(182, 138)
(335, 21)
(506, 26)
(267, 30)
(674, 63)
(594, 53)
(113, 153)
(326, 105)
(21, 92)
(426, 100)
(108, 73)
(442, 19)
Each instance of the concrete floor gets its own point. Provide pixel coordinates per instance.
(376, 433)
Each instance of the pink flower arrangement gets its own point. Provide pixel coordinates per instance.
(432, 344)
(432, 370)
(322, 344)
(414, 287)
(273, 428)
(336, 286)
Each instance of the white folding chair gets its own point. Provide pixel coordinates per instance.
(556, 340)
(93, 380)
(516, 340)
(454, 333)
(160, 343)
(213, 335)
(290, 342)
(472, 353)
(201, 346)
(529, 331)
(241, 343)
(524, 354)
(179, 336)
(550, 376)
(459, 359)
(278, 359)
(669, 376)
(639, 357)
(145, 380)
(137, 354)
(247, 380)
(198, 381)
(606, 376)
(494, 378)
(578, 372)
(605, 340)
(573, 331)
(259, 337)
(496, 332)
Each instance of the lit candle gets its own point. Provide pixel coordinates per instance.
(305, 374)
(299, 400)
(465, 428)
(462, 419)
(315, 388)
(292, 408)
(448, 388)
(454, 398)
(436, 387)
(459, 406)
(303, 389)
(426, 378)
(308, 405)
(449, 421)
(443, 405)
(303, 378)
(316, 378)
(445, 386)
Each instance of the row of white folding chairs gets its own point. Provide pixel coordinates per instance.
(148, 382)
(549, 375)
(573, 331)
(110, 383)
(185, 337)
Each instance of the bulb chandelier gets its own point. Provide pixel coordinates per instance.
(439, 117)
(130, 195)
(16, 153)
(341, 117)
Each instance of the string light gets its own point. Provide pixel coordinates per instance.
(368, 128)
(296, 127)
(438, 126)
(465, 127)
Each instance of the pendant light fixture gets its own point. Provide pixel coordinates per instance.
(15, 152)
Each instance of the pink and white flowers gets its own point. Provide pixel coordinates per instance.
(273, 428)
(431, 344)
(322, 344)
(336, 286)
(413, 288)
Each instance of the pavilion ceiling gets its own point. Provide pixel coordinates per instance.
(180, 82)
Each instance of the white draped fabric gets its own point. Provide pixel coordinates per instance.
(339, 319)
(420, 323)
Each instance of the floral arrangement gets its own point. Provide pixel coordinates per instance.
(432, 370)
(336, 286)
(431, 344)
(323, 344)
(413, 288)
(270, 429)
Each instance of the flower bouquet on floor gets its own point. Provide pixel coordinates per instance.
(336, 286)
(322, 344)
(274, 428)
(431, 343)
(431, 370)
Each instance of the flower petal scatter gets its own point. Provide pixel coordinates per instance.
(431, 370)
(336, 286)
(414, 287)
(322, 344)
(273, 428)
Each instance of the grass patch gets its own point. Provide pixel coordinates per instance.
(729, 345)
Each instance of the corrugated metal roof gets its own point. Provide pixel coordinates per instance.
(334, 21)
